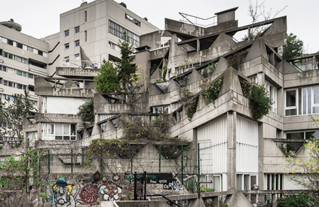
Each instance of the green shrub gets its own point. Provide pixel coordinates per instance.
(300, 200)
(259, 102)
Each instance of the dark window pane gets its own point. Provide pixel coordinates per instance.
(290, 98)
(291, 112)
(312, 135)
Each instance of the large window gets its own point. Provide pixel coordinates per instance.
(119, 31)
(302, 101)
(59, 131)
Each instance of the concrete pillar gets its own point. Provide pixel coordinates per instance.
(231, 150)
(260, 159)
(261, 79)
(142, 60)
(280, 102)
(198, 45)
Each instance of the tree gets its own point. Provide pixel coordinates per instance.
(293, 48)
(86, 111)
(256, 11)
(120, 77)
(107, 81)
(309, 166)
(13, 113)
(15, 172)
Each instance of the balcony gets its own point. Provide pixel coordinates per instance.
(76, 72)
(64, 87)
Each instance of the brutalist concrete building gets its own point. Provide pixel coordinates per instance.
(236, 150)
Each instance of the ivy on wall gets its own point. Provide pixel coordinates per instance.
(259, 100)
(211, 90)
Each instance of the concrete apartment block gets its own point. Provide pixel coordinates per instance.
(237, 151)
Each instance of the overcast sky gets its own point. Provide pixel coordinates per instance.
(40, 18)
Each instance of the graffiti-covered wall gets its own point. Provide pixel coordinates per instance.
(68, 190)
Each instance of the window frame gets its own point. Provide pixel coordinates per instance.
(77, 30)
(67, 46)
(292, 107)
(76, 43)
(66, 33)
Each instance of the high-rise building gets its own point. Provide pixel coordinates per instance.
(88, 34)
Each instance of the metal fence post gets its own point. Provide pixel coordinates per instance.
(198, 188)
(135, 183)
(182, 164)
(131, 161)
(49, 161)
(71, 161)
(145, 180)
(159, 155)
(101, 163)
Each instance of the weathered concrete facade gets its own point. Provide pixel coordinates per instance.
(236, 150)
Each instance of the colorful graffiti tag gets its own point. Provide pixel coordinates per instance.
(90, 189)
(89, 194)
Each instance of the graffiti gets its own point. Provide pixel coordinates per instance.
(156, 178)
(110, 192)
(173, 186)
(90, 189)
(89, 194)
(62, 196)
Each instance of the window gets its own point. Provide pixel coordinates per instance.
(77, 56)
(85, 36)
(66, 59)
(10, 42)
(119, 31)
(272, 92)
(40, 53)
(76, 30)
(291, 102)
(133, 20)
(114, 46)
(302, 101)
(77, 43)
(35, 51)
(66, 46)
(19, 45)
(254, 79)
(85, 16)
(66, 33)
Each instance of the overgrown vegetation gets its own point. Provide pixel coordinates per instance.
(120, 77)
(211, 90)
(107, 81)
(259, 100)
(133, 134)
(191, 108)
(86, 111)
(165, 70)
(208, 71)
(300, 200)
(293, 48)
(236, 60)
(13, 113)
